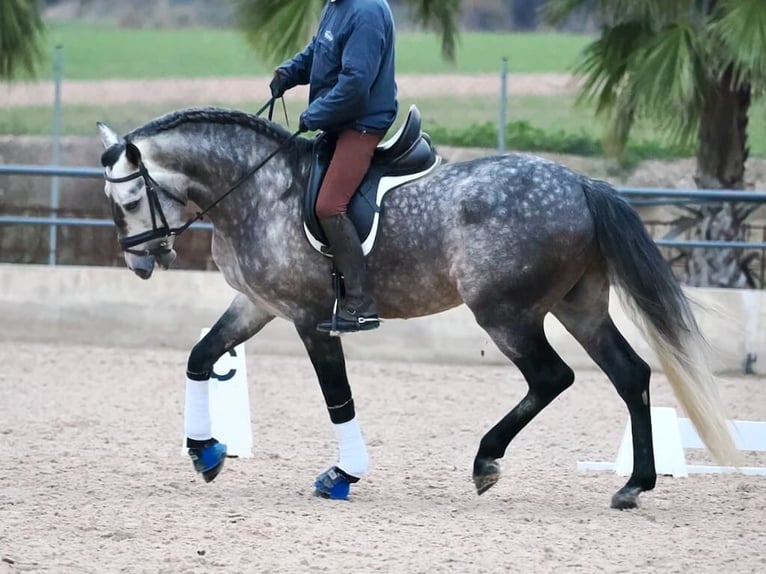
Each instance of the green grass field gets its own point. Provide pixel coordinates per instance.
(93, 52)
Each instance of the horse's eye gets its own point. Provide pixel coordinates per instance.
(132, 206)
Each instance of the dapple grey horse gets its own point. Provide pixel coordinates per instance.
(514, 237)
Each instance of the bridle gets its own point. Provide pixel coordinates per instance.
(153, 189)
(160, 227)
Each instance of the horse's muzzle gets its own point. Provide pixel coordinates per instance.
(143, 265)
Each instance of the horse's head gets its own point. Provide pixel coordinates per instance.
(147, 203)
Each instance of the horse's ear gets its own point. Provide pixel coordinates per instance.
(108, 136)
(133, 154)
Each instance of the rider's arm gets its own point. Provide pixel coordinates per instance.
(298, 70)
(361, 59)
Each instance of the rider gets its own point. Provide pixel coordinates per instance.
(349, 66)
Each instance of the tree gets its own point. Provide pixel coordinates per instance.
(693, 67)
(21, 34)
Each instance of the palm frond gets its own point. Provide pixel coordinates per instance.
(614, 12)
(606, 67)
(741, 27)
(656, 12)
(634, 70)
(555, 12)
(277, 29)
(657, 59)
(623, 116)
(670, 78)
(21, 34)
(441, 16)
(606, 62)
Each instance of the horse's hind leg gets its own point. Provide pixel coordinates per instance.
(241, 321)
(522, 339)
(585, 314)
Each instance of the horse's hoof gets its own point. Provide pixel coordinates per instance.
(486, 473)
(208, 460)
(334, 484)
(626, 498)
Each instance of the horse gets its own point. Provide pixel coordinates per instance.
(513, 237)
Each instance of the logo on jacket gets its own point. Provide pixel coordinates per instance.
(328, 36)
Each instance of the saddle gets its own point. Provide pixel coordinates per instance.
(408, 155)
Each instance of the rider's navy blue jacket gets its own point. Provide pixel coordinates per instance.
(349, 66)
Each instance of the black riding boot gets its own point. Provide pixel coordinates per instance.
(357, 311)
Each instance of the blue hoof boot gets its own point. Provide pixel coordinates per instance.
(333, 483)
(209, 459)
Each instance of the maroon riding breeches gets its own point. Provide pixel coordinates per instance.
(348, 166)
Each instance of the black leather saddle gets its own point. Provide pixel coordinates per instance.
(408, 155)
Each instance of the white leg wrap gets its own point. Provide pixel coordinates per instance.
(353, 458)
(197, 411)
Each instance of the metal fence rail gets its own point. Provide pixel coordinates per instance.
(712, 195)
(51, 170)
(73, 221)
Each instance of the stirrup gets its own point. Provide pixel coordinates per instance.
(337, 325)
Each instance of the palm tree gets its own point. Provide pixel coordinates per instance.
(21, 33)
(692, 67)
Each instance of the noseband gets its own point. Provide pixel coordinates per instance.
(153, 189)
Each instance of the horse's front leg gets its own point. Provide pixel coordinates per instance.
(241, 321)
(326, 354)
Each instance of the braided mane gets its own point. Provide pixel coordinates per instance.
(212, 115)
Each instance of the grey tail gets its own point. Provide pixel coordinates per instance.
(636, 264)
(655, 299)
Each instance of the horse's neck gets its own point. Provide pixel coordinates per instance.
(274, 191)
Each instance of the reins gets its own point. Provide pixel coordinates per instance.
(156, 209)
(249, 173)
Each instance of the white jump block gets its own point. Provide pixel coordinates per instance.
(672, 435)
(230, 403)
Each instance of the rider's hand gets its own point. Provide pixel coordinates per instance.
(302, 126)
(278, 84)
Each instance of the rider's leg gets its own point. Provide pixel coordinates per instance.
(349, 164)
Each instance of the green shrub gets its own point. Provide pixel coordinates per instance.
(522, 136)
